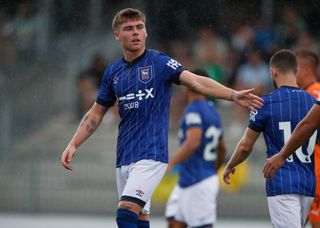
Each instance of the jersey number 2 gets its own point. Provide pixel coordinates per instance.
(212, 133)
(305, 158)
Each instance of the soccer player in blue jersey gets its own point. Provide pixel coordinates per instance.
(301, 134)
(141, 83)
(290, 192)
(202, 151)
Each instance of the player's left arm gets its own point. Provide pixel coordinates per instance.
(241, 153)
(187, 148)
(213, 88)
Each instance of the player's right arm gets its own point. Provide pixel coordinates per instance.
(187, 148)
(213, 88)
(300, 135)
(222, 151)
(241, 153)
(87, 127)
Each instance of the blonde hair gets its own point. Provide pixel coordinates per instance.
(125, 15)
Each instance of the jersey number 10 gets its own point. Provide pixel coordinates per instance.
(305, 158)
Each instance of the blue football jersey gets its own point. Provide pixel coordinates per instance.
(283, 109)
(201, 114)
(143, 90)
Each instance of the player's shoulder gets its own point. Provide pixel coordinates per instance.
(114, 66)
(268, 96)
(201, 106)
(116, 63)
(314, 86)
(157, 55)
(154, 52)
(314, 89)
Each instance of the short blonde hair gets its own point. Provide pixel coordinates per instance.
(125, 15)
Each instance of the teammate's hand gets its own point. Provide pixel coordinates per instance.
(226, 174)
(246, 99)
(272, 165)
(67, 156)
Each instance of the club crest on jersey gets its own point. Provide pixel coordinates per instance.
(145, 74)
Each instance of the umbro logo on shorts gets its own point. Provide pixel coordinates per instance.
(139, 193)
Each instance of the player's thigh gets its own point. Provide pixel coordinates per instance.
(143, 178)
(198, 202)
(172, 205)
(122, 175)
(305, 202)
(285, 211)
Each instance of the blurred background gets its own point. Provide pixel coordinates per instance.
(52, 57)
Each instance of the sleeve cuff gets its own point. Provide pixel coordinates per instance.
(176, 77)
(255, 128)
(103, 103)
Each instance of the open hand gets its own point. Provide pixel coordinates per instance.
(226, 174)
(246, 99)
(272, 165)
(67, 156)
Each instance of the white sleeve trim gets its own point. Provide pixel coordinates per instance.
(193, 118)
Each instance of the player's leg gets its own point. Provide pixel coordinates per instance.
(142, 178)
(127, 212)
(199, 203)
(305, 202)
(285, 211)
(176, 224)
(172, 209)
(144, 221)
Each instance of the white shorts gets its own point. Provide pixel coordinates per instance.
(138, 181)
(289, 210)
(195, 205)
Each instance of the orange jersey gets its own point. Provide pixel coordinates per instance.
(314, 214)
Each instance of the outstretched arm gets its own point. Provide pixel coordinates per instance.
(87, 127)
(213, 88)
(241, 153)
(300, 135)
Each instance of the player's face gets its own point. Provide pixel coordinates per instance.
(132, 35)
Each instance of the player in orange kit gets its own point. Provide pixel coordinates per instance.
(306, 79)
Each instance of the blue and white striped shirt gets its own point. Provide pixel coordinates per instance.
(142, 89)
(283, 109)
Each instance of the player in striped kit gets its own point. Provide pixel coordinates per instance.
(141, 83)
(290, 192)
(202, 151)
(306, 78)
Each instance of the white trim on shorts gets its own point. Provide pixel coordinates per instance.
(139, 180)
(289, 210)
(195, 205)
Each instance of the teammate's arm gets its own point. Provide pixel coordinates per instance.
(87, 127)
(300, 135)
(187, 148)
(222, 151)
(241, 153)
(213, 88)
